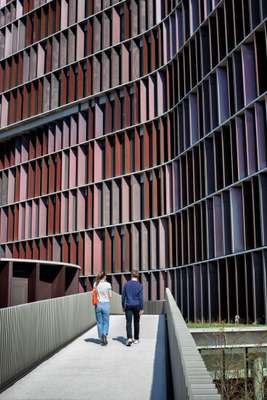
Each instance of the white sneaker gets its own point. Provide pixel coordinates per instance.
(129, 342)
(136, 341)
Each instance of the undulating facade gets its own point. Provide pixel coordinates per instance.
(133, 136)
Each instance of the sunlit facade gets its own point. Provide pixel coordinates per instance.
(133, 136)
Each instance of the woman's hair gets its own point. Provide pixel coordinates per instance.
(99, 277)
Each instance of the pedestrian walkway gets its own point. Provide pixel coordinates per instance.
(84, 370)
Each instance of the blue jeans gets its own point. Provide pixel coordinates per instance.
(102, 318)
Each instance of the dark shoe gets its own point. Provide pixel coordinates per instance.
(104, 340)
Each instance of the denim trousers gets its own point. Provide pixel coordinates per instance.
(102, 318)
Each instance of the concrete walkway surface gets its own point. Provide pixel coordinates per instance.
(85, 370)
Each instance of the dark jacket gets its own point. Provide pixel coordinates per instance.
(132, 295)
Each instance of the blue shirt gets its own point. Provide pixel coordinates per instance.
(132, 295)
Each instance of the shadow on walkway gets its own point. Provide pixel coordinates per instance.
(120, 339)
(162, 384)
(93, 340)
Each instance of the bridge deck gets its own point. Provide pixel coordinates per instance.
(86, 370)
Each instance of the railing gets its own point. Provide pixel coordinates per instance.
(154, 307)
(115, 306)
(29, 333)
(190, 377)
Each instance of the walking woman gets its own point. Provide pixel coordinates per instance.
(102, 308)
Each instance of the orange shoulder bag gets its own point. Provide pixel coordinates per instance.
(94, 297)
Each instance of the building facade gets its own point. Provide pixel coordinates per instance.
(133, 136)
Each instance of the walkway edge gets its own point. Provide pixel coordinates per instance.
(190, 377)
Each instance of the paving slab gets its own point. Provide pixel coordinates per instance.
(85, 370)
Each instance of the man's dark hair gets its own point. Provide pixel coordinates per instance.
(135, 274)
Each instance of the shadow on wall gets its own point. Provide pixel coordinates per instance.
(162, 383)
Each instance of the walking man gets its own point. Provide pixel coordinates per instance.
(133, 306)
